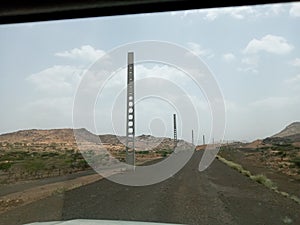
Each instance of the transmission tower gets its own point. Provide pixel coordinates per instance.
(130, 127)
(175, 131)
(192, 137)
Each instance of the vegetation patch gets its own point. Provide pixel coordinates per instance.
(287, 220)
(235, 166)
(260, 178)
(24, 165)
(296, 161)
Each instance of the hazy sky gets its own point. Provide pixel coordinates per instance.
(253, 52)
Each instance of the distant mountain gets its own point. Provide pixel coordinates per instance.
(290, 130)
(39, 136)
(290, 134)
(36, 139)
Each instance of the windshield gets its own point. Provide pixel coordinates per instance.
(186, 117)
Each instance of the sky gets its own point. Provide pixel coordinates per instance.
(253, 53)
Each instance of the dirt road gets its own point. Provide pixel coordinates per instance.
(219, 195)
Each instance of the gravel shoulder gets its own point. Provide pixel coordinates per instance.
(289, 184)
(6, 189)
(37, 192)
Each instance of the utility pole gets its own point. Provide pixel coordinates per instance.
(203, 139)
(175, 130)
(192, 137)
(130, 127)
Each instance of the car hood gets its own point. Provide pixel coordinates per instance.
(97, 222)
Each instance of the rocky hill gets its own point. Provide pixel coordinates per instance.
(289, 135)
(280, 152)
(35, 154)
(39, 136)
(291, 130)
(64, 139)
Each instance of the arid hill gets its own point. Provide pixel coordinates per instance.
(255, 144)
(64, 139)
(289, 135)
(290, 130)
(39, 136)
(280, 151)
(34, 154)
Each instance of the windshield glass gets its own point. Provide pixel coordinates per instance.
(184, 117)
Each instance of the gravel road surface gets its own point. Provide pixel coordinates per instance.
(219, 195)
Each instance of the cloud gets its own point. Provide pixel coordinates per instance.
(295, 10)
(56, 80)
(212, 14)
(295, 62)
(269, 43)
(85, 53)
(49, 112)
(253, 61)
(269, 112)
(293, 80)
(250, 63)
(270, 103)
(275, 9)
(232, 106)
(239, 13)
(247, 69)
(234, 12)
(64, 78)
(228, 57)
(161, 71)
(199, 50)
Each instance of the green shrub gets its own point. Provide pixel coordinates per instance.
(143, 152)
(287, 220)
(82, 164)
(296, 161)
(49, 154)
(165, 154)
(5, 166)
(281, 153)
(33, 166)
(262, 179)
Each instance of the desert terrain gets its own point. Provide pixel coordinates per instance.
(43, 169)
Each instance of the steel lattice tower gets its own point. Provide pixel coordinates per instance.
(130, 128)
(175, 131)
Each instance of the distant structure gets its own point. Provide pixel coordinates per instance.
(192, 137)
(203, 139)
(175, 130)
(130, 127)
